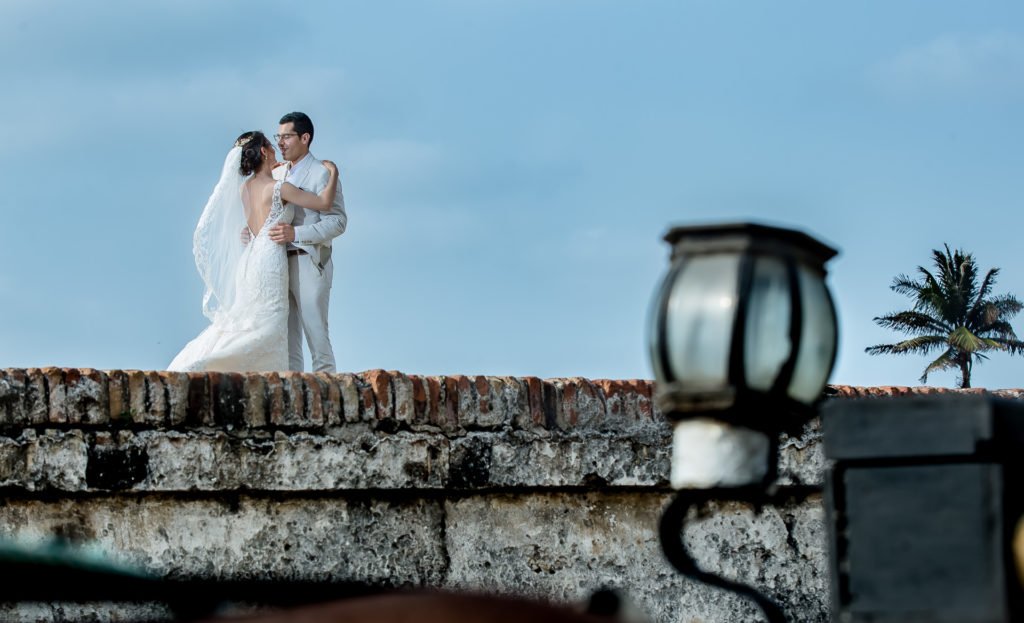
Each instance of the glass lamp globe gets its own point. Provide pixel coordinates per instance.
(742, 337)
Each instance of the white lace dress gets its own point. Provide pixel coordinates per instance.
(251, 335)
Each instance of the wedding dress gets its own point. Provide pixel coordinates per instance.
(246, 286)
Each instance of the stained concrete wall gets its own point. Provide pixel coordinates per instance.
(549, 489)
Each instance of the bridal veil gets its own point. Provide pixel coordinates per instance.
(217, 243)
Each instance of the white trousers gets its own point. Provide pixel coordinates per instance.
(309, 291)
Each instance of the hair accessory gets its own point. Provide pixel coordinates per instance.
(242, 142)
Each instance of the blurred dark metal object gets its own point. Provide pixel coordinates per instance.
(673, 522)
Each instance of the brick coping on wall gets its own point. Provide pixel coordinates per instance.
(388, 399)
(895, 391)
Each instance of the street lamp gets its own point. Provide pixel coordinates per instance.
(742, 337)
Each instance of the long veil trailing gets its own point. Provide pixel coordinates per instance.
(217, 243)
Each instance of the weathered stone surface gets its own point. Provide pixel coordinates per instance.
(91, 613)
(137, 397)
(296, 462)
(519, 460)
(332, 400)
(486, 408)
(12, 397)
(379, 384)
(315, 409)
(36, 407)
(158, 405)
(421, 416)
(12, 463)
(276, 401)
(628, 405)
(534, 418)
(367, 399)
(802, 459)
(552, 406)
(117, 392)
(57, 395)
(512, 397)
(780, 551)
(216, 461)
(54, 460)
(380, 540)
(562, 547)
(440, 411)
(176, 384)
(584, 405)
(349, 397)
(293, 406)
(256, 403)
(405, 410)
(451, 388)
(565, 546)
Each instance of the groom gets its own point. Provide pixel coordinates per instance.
(308, 239)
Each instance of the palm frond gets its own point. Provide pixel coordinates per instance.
(930, 295)
(1014, 346)
(990, 344)
(945, 361)
(920, 345)
(913, 322)
(1000, 329)
(963, 340)
(903, 284)
(984, 290)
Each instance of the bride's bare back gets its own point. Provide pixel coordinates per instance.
(257, 196)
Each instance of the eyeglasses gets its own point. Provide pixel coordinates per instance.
(278, 137)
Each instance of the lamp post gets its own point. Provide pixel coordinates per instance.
(742, 337)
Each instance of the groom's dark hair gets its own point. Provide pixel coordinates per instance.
(302, 123)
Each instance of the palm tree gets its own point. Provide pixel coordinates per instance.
(952, 312)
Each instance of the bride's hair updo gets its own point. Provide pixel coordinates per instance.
(251, 143)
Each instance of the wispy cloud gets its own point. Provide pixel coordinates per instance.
(387, 164)
(209, 100)
(990, 64)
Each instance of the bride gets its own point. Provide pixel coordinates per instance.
(246, 295)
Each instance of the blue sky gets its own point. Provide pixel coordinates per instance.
(509, 167)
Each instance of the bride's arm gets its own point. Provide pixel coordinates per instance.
(321, 202)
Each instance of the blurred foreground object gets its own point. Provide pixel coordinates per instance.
(742, 337)
(427, 607)
(923, 500)
(55, 573)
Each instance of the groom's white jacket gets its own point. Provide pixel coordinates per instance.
(314, 230)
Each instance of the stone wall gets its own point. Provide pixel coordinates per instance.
(546, 488)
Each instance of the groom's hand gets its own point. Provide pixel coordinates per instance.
(282, 233)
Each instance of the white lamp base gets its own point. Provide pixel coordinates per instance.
(707, 453)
